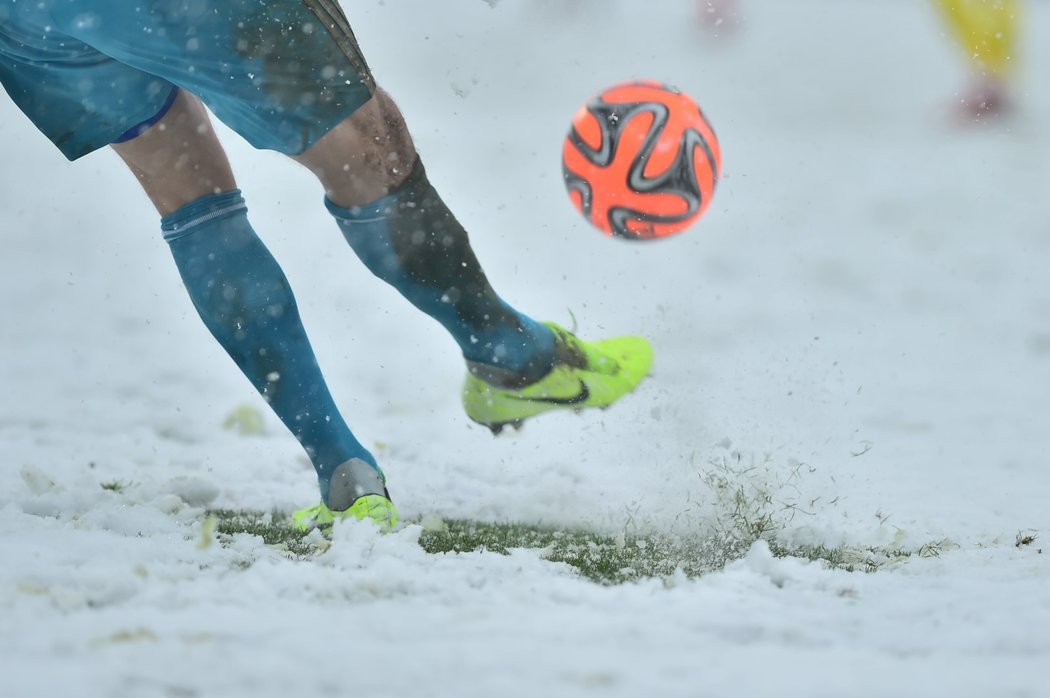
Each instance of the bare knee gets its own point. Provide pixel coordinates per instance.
(366, 156)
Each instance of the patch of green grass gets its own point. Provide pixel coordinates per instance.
(275, 528)
(618, 559)
(601, 558)
(747, 499)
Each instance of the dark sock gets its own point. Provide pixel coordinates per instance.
(412, 241)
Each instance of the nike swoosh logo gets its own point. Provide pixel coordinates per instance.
(576, 399)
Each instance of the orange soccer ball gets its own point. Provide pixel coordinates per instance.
(641, 161)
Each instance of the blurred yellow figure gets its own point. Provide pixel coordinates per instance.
(987, 31)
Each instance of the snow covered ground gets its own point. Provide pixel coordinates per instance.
(863, 314)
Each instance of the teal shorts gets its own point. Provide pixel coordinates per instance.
(281, 73)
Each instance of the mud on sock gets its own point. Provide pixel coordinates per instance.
(411, 240)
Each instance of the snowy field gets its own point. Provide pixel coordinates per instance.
(857, 331)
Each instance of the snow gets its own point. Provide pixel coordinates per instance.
(862, 314)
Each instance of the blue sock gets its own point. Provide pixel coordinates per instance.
(412, 241)
(244, 299)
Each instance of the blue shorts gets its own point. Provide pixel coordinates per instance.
(281, 73)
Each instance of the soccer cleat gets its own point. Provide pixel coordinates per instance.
(585, 374)
(374, 507)
(356, 490)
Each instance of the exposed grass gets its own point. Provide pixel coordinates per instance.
(746, 501)
(275, 528)
(601, 558)
(625, 558)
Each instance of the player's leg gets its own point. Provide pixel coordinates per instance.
(287, 75)
(987, 31)
(244, 299)
(408, 237)
(393, 218)
(87, 84)
(396, 222)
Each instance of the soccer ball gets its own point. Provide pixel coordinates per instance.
(641, 161)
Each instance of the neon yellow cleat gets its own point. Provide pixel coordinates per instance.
(356, 490)
(585, 374)
(374, 507)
